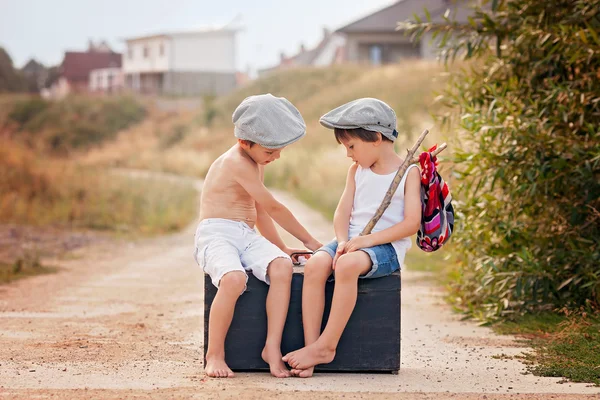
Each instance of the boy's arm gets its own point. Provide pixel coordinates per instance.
(264, 222)
(341, 218)
(267, 228)
(247, 176)
(408, 227)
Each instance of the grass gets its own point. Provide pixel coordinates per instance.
(565, 345)
(45, 179)
(159, 143)
(22, 268)
(74, 123)
(40, 184)
(43, 191)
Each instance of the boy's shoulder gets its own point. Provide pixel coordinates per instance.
(234, 161)
(352, 170)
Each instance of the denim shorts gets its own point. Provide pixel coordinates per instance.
(383, 257)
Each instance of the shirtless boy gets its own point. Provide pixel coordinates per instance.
(234, 200)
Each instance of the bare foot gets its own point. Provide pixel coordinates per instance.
(309, 356)
(272, 356)
(217, 368)
(303, 373)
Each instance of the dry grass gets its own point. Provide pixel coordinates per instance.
(42, 191)
(70, 125)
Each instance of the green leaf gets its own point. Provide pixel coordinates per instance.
(427, 15)
(593, 33)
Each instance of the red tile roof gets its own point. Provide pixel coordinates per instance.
(76, 65)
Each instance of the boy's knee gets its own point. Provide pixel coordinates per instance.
(234, 281)
(317, 267)
(348, 266)
(280, 269)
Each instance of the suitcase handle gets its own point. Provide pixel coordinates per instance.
(299, 253)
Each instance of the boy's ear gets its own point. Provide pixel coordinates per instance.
(244, 143)
(379, 139)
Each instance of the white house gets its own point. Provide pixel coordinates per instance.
(198, 62)
(106, 80)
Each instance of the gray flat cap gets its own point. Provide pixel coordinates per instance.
(272, 122)
(367, 113)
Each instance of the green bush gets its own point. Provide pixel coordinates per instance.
(75, 122)
(210, 110)
(25, 110)
(174, 136)
(528, 165)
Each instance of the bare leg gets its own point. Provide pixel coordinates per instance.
(231, 287)
(278, 300)
(316, 272)
(348, 268)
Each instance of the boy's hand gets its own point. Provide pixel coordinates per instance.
(341, 249)
(302, 253)
(313, 245)
(357, 243)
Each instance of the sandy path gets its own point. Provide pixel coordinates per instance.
(126, 322)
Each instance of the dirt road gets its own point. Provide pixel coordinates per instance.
(126, 322)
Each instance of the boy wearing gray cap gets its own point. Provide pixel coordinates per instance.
(234, 200)
(367, 128)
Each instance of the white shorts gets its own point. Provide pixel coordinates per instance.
(223, 246)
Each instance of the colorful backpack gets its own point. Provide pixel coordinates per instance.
(437, 219)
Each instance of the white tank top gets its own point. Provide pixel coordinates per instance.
(370, 191)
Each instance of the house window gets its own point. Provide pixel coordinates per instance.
(162, 49)
(146, 52)
(375, 54)
(130, 53)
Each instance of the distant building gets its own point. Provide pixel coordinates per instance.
(36, 75)
(330, 50)
(74, 71)
(374, 39)
(106, 80)
(187, 63)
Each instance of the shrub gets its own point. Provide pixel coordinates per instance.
(75, 122)
(529, 162)
(25, 110)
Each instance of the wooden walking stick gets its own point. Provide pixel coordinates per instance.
(410, 159)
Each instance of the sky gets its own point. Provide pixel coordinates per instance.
(44, 29)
